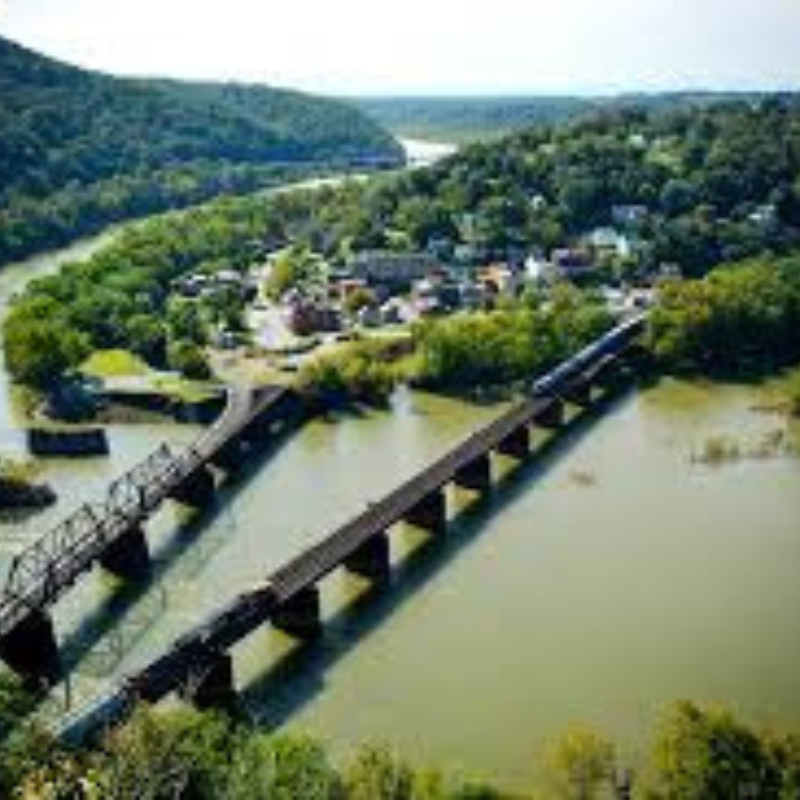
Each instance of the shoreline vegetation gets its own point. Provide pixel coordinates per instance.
(466, 355)
(183, 754)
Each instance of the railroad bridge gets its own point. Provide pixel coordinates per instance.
(111, 532)
(199, 665)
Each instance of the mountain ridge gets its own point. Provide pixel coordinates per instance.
(80, 149)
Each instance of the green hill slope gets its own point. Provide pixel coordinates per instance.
(81, 149)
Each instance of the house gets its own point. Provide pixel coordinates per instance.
(346, 287)
(538, 270)
(607, 241)
(629, 216)
(393, 312)
(537, 201)
(441, 290)
(468, 254)
(765, 216)
(502, 279)
(369, 316)
(306, 317)
(572, 263)
(388, 267)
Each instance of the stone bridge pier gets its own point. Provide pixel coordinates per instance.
(197, 489)
(30, 649)
(372, 559)
(551, 417)
(301, 615)
(128, 556)
(232, 455)
(579, 392)
(430, 513)
(475, 476)
(213, 685)
(517, 444)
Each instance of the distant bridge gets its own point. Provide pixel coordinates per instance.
(111, 533)
(199, 664)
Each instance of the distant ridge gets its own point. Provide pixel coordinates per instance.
(80, 149)
(465, 118)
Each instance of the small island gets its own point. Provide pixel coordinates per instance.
(19, 490)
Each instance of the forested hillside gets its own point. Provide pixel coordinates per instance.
(706, 185)
(80, 149)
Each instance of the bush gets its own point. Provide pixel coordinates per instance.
(365, 372)
(188, 359)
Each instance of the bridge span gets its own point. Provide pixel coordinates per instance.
(199, 665)
(110, 532)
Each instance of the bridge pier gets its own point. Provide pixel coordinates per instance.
(372, 559)
(231, 456)
(552, 416)
(517, 444)
(197, 489)
(430, 513)
(475, 476)
(579, 393)
(639, 360)
(213, 686)
(128, 556)
(30, 649)
(300, 616)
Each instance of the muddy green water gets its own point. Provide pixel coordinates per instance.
(595, 586)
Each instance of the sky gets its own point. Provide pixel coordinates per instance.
(425, 47)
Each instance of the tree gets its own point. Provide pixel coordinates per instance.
(38, 354)
(581, 762)
(358, 299)
(706, 754)
(379, 774)
(280, 768)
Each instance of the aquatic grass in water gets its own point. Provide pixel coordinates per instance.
(721, 449)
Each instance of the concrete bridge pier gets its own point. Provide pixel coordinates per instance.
(552, 416)
(213, 686)
(301, 615)
(430, 513)
(197, 489)
(517, 444)
(371, 560)
(127, 556)
(30, 649)
(475, 476)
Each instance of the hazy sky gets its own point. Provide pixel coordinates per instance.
(427, 46)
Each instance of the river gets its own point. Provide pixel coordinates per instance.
(593, 588)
